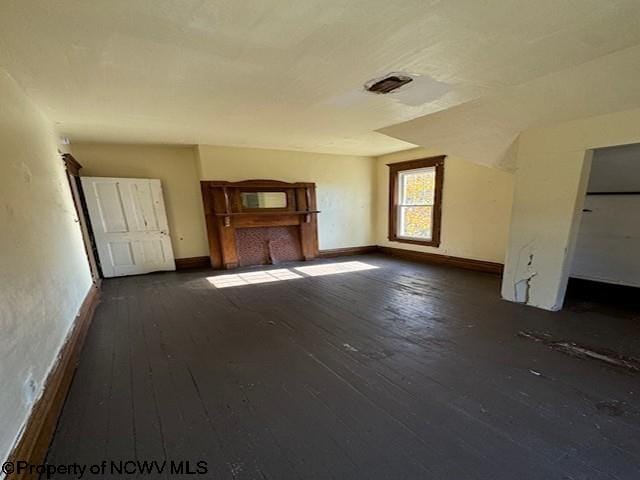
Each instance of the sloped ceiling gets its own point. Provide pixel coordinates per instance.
(484, 130)
(289, 75)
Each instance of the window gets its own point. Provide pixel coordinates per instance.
(415, 201)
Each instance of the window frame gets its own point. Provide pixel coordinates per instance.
(394, 197)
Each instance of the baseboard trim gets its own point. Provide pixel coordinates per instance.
(38, 432)
(413, 255)
(192, 262)
(434, 258)
(340, 252)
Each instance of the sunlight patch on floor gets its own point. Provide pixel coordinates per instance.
(251, 278)
(268, 276)
(333, 268)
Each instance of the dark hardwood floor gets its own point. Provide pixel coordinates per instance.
(404, 371)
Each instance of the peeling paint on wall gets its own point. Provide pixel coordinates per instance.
(525, 272)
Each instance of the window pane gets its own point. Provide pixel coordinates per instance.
(415, 222)
(417, 187)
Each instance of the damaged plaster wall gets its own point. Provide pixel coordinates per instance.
(44, 274)
(553, 165)
(548, 193)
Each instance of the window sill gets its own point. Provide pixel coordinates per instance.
(424, 243)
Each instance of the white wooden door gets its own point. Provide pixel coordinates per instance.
(129, 225)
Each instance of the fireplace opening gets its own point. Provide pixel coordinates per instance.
(268, 245)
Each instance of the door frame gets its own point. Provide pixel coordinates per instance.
(72, 169)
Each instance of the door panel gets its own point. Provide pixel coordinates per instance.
(130, 225)
(110, 206)
(121, 254)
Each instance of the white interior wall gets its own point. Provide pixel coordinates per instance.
(44, 274)
(553, 165)
(608, 245)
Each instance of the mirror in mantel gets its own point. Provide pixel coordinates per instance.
(264, 199)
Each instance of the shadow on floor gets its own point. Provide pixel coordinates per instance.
(615, 300)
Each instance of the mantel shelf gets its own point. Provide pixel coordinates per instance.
(280, 212)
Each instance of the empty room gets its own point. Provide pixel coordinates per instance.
(320, 239)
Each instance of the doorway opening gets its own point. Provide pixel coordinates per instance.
(605, 267)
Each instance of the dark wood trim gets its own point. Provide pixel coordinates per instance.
(394, 169)
(192, 262)
(257, 183)
(341, 252)
(417, 163)
(36, 437)
(613, 193)
(424, 243)
(225, 213)
(466, 263)
(266, 211)
(72, 165)
(215, 259)
(459, 262)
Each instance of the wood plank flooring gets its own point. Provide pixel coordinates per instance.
(403, 371)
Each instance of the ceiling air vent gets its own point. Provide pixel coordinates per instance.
(387, 84)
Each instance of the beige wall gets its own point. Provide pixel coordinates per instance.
(177, 169)
(476, 206)
(553, 165)
(345, 185)
(44, 275)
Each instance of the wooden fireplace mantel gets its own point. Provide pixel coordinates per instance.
(225, 214)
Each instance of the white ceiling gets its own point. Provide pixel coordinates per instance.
(289, 75)
(484, 130)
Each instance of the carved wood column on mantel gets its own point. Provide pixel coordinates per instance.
(226, 211)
